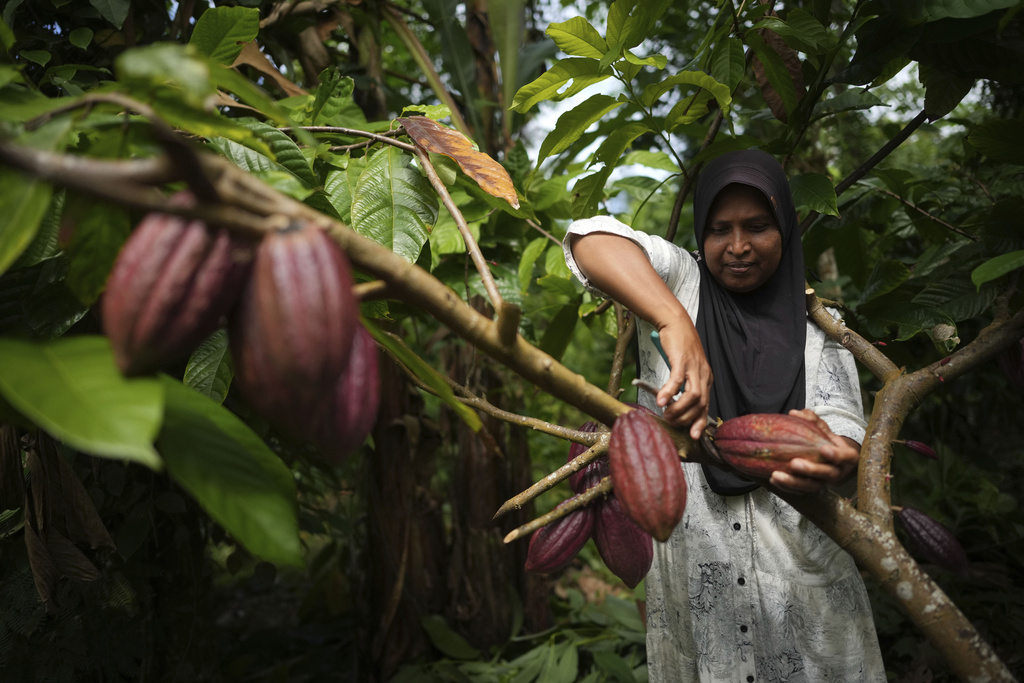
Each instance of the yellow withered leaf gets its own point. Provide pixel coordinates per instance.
(488, 173)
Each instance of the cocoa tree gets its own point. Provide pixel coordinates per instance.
(83, 155)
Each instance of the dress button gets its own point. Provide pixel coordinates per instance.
(741, 581)
(736, 526)
(743, 628)
(750, 679)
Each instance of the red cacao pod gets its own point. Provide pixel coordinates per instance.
(1011, 361)
(646, 473)
(627, 550)
(353, 409)
(552, 547)
(760, 443)
(594, 471)
(292, 333)
(933, 541)
(170, 286)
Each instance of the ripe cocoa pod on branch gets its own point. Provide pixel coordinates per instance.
(552, 547)
(292, 333)
(626, 549)
(933, 541)
(352, 410)
(646, 473)
(760, 443)
(170, 286)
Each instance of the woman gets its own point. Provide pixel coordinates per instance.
(745, 589)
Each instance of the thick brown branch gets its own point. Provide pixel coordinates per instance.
(873, 359)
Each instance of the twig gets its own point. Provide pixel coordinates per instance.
(536, 226)
(873, 359)
(690, 178)
(371, 291)
(575, 465)
(932, 217)
(386, 138)
(574, 503)
(626, 324)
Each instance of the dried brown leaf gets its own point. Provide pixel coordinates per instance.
(68, 560)
(83, 523)
(488, 173)
(44, 574)
(792, 62)
(12, 473)
(251, 56)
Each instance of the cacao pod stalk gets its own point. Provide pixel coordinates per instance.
(646, 473)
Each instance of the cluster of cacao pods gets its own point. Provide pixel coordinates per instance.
(648, 501)
(302, 359)
(761, 443)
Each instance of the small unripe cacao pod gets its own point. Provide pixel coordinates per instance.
(627, 550)
(933, 541)
(594, 471)
(171, 284)
(761, 443)
(352, 410)
(646, 473)
(553, 546)
(292, 333)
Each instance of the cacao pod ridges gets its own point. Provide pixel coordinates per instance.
(761, 443)
(646, 473)
(352, 410)
(170, 287)
(553, 546)
(626, 549)
(292, 333)
(933, 541)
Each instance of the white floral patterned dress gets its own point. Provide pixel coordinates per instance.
(746, 589)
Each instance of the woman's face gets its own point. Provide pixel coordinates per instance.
(742, 242)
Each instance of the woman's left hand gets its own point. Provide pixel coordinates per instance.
(838, 462)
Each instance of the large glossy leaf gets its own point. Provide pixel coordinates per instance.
(559, 331)
(221, 32)
(688, 110)
(943, 90)
(997, 267)
(394, 205)
(99, 232)
(530, 255)
(571, 124)
(158, 67)
(728, 63)
(237, 479)
(331, 95)
(514, 57)
(73, 390)
(780, 79)
(887, 276)
(577, 38)
(580, 71)
(631, 21)
(921, 11)
(814, 192)
(113, 11)
(210, 369)
(700, 79)
(457, 53)
(1000, 140)
(23, 204)
(340, 186)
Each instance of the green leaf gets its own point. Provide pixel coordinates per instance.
(530, 255)
(588, 193)
(232, 81)
(997, 267)
(394, 205)
(728, 63)
(457, 54)
(428, 375)
(23, 204)
(848, 100)
(99, 233)
(571, 125)
(210, 369)
(775, 70)
(450, 643)
(331, 95)
(688, 110)
(660, 161)
(114, 11)
(558, 333)
(576, 37)
(506, 19)
(73, 390)
(221, 32)
(580, 71)
(161, 67)
(720, 91)
(40, 57)
(614, 666)
(887, 276)
(630, 22)
(236, 478)
(340, 186)
(723, 145)
(999, 140)
(81, 37)
(922, 11)
(943, 90)
(814, 192)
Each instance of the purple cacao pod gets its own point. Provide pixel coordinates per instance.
(760, 443)
(933, 541)
(351, 413)
(552, 547)
(626, 549)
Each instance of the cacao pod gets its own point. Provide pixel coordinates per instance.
(760, 443)
(646, 473)
(594, 471)
(552, 547)
(170, 286)
(1011, 361)
(292, 333)
(933, 541)
(627, 550)
(353, 408)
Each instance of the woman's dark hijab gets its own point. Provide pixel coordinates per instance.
(754, 342)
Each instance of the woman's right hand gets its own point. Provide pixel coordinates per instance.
(688, 365)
